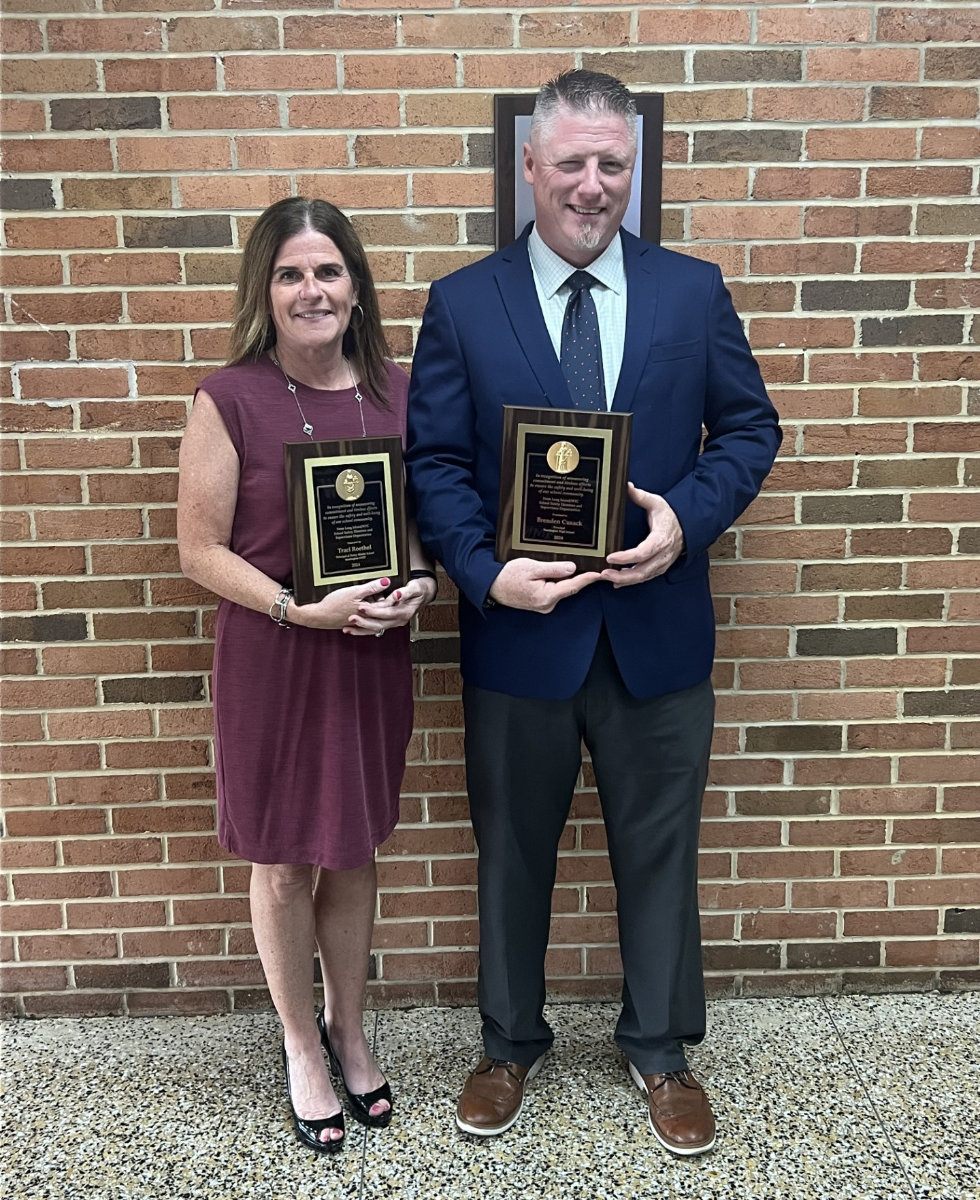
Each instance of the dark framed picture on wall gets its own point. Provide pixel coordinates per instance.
(513, 202)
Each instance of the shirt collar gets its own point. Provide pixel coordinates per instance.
(552, 270)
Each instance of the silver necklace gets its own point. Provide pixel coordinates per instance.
(307, 427)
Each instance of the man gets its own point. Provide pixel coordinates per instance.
(619, 657)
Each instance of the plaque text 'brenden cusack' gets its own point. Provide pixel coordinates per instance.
(562, 503)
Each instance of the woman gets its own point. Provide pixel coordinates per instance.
(312, 720)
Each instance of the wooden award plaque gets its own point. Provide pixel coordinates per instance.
(347, 520)
(563, 478)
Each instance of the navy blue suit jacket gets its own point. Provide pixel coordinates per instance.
(704, 436)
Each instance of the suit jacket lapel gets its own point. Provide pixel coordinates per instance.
(642, 296)
(516, 283)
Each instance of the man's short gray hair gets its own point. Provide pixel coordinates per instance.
(583, 92)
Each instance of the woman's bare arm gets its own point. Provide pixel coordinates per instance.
(206, 499)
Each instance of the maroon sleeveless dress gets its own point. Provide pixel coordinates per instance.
(311, 725)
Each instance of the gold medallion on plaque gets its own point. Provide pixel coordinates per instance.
(350, 484)
(562, 457)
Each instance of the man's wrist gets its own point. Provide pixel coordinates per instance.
(489, 600)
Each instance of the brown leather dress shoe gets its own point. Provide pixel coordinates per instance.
(680, 1115)
(493, 1095)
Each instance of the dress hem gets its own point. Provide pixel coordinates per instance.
(297, 858)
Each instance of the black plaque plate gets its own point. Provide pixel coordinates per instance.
(347, 519)
(563, 477)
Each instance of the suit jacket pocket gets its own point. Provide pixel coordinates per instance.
(668, 351)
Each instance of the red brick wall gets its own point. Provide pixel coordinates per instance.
(824, 153)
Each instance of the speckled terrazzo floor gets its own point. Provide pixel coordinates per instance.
(870, 1098)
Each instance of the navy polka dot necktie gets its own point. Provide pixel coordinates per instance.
(581, 354)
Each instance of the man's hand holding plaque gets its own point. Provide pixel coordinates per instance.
(538, 586)
(658, 551)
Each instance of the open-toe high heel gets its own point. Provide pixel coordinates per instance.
(308, 1129)
(361, 1103)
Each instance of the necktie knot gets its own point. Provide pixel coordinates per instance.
(579, 280)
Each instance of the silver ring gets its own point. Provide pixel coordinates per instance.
(380, 633)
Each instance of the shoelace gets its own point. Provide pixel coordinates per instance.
(498, 1062)
(684, 1078)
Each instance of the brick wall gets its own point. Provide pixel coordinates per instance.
(823, 153)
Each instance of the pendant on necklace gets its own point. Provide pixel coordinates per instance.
(308, 429)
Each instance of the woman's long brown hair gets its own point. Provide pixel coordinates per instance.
(253, 331)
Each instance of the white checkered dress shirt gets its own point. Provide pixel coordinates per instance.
(550, 273)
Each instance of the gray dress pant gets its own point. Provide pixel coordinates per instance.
(651, 762)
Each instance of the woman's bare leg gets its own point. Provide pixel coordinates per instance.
(282, 921)
(344, 903)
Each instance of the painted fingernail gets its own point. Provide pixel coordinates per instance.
(398, 595)
(385, 582)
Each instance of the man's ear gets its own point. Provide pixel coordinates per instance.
(528, 163)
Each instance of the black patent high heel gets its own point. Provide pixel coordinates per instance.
(360, 1102)
(308, 1129)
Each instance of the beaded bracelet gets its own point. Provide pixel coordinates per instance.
(277, 610)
